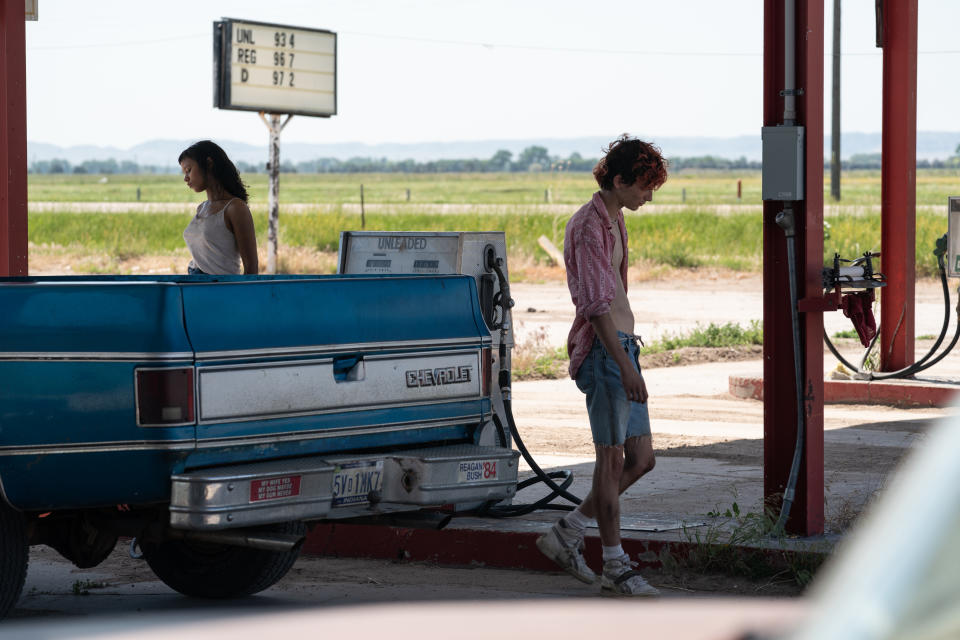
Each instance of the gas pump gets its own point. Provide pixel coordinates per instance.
(947, 252)
(483, 255)
(462, 252)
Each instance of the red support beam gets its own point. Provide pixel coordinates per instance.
(780, 401)
(13, 140)
(898, 226)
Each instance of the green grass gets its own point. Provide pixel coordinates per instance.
(534, 359)
(713, 335)
(846, 333)
(695, 236)
(694, 188)
(685, 240)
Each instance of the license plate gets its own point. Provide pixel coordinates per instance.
(353, 482)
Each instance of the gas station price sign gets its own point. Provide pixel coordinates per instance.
(274, 68)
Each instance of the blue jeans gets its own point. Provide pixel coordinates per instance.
(613, 418)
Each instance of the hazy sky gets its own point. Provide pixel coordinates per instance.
(122, 72)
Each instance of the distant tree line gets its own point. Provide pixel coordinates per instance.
(109, 166)
(532, 159)
(872, 161)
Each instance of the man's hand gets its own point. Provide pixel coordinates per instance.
(633, 384)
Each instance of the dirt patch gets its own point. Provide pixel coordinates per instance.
(685, 356)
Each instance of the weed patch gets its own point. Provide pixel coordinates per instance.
(748, 545)
(534, 359)
(712, 336)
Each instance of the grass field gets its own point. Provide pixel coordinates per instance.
(688, 236)
(700, 188)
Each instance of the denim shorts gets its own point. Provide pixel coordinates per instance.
(613, 418)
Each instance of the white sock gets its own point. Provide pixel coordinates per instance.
(609, 553)
(576, 520)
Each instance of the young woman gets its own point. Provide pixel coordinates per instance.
(220, 237)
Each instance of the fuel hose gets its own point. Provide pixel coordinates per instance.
(928, 360)
(504, 301)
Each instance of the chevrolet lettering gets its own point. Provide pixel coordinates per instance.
(438, 377)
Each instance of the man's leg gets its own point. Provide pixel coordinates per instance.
(638, 461)
(605, 494)
(613, 474)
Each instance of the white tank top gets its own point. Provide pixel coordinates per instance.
(212, 245)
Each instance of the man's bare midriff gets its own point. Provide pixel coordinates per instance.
(620, 310)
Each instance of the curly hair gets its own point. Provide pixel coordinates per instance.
(632, 160)
(221, 167)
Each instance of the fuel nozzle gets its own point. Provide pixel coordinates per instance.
(490, 259)
(859, 275)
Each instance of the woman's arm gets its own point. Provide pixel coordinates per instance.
(240, 222)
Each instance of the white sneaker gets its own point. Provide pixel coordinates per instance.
(564, 545)
(621, 579)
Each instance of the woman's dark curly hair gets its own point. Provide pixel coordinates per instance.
(220, 166)
(632, 160)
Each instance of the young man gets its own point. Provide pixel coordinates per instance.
(603, 361)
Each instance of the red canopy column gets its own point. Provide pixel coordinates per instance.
(13, 140)
(779, 379)
(898, 232)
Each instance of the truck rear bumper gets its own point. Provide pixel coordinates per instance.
(341, 486)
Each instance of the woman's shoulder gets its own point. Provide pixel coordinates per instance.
(235, 206)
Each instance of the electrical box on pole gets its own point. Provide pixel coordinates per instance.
(782, 175)
(274, 69)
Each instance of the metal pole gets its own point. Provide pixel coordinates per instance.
(835, 119)
(779, 377)
(363, 213)
(898, 209)
(273, 200)
(13, 140)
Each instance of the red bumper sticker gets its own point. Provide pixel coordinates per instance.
(274, 488)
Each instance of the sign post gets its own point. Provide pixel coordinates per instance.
(274, 69)
(273, 168)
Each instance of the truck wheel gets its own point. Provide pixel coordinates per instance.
(209, 570)
(14, 554)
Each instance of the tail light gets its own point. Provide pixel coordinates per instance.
(486, 365)
(164, 397)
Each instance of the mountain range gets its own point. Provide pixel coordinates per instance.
(163, 153)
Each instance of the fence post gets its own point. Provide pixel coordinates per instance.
(363, 217)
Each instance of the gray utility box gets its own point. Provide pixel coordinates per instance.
(953, 236)
(438, 252)
(782, 163)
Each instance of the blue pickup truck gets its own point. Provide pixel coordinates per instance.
(214, 418)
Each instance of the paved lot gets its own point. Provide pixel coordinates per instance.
(709, 447)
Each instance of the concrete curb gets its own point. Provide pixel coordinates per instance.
(513, 549)
(907, 393)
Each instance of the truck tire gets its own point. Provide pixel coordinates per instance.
(14, 555)
(209, 570)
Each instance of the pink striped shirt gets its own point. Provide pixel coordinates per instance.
(587, 254)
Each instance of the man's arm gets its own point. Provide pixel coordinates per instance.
(633, 384)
